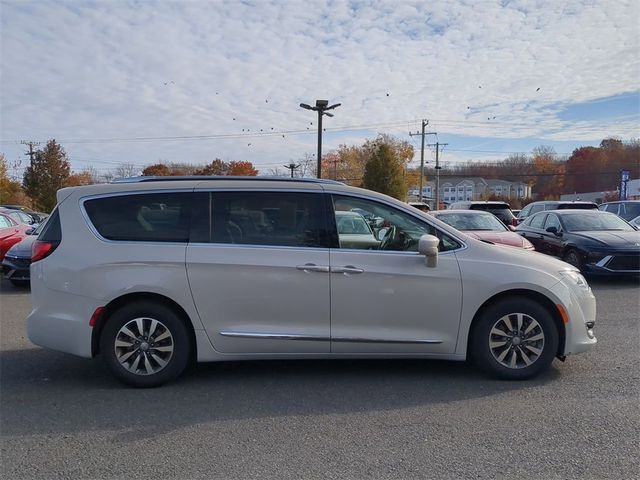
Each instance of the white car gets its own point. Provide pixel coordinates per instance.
(354, 231)
(254, 269)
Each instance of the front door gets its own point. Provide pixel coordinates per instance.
(258, 266)
(384, 299)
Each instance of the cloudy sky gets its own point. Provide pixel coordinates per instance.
(139, 81)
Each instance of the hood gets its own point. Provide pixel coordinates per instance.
(516, 257)
(505, 238)
(614, 239)
(22, 249)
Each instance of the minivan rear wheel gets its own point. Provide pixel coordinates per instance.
(514, 339)
(145, 344)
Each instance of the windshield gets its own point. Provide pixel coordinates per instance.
(583, 223)
(467, 221)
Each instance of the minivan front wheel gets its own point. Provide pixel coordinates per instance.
(145, 344)
(514, 339)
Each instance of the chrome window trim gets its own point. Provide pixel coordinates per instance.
(251, 245)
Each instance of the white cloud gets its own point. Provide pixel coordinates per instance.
(98, 70)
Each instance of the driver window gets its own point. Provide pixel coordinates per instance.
(368, 225)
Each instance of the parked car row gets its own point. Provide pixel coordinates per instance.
(593, 239)
(24, 214)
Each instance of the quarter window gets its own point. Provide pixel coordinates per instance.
(143, 217)
(4, 222)
(388, 229)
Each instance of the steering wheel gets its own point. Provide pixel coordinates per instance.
(388, 237)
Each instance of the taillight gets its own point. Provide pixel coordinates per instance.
(41, 249)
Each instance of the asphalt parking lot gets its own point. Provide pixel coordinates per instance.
(65, 417)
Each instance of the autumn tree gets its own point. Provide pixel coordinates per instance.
(242, 169)
(549, 173)
(47, 173)
(383, 172)
(87, 176)
(157, 170)
(216, 167)
(11, 191)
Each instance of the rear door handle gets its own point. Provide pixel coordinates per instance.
(312, 267)
(347, 269)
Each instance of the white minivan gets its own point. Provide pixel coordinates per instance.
(254, 268)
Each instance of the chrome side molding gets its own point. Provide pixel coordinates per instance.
(319, 338)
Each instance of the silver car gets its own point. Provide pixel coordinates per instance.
(234, 269)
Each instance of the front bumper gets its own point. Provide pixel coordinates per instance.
(581, 312)
(612, 263)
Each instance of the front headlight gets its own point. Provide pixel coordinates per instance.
(573, 277)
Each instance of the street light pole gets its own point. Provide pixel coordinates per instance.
(320, 143)
(321, 107)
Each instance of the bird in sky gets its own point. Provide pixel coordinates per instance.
(248, 144)
(538, 89)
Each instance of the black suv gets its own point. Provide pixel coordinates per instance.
(536, 207)
(502, 210)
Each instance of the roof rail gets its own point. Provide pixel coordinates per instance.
(143, 178)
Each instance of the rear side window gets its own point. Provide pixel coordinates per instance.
(51, 232)
(288, 219)
(537, 221)
(4, 222)
(148, 217)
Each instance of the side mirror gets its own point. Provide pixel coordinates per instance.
(428, 246)
(381, 233)
(511, 227)
(30, 231)
(553, 230)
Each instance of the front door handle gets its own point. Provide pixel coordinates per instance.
(347, 269)
(312, 267)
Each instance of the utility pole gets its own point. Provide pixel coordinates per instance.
(334, 162)
(31, 152)
(292, 166)
(422, 134)
(437, 145)
(321, 107)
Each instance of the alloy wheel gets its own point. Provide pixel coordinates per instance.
(144, 346)
(516, 340)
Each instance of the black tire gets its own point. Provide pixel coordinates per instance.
(572, 257)
(487, 358)
(176, 361)
(20, 283)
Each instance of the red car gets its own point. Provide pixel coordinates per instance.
(483, 226)
(11, 232)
